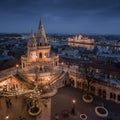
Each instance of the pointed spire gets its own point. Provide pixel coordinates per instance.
(41, 35)
(32, 38)
(32, 34)
(40, 24)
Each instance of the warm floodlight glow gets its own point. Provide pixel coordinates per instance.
(74, 101)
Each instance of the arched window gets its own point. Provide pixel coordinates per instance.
(99, 92)
(40, 55)
(56, 63)
(111, 95)
(118, 97)
(114, 97)
(23, 65)
(104, 94)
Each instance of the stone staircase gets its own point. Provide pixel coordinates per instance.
(22, 78)
(60, 82)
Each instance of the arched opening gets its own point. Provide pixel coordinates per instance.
(104, 94)
(40, 55)
(99, 92)
(56, 63)
(40, 44)
(118, 98)
(23, 65)
(92, 89)
(72, 82)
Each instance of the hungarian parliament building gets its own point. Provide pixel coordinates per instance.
(80, 41)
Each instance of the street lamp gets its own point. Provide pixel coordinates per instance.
(17, 67)
(73, 108)
(44, 57)
(47, 83)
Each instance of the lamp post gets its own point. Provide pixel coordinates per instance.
(73, 107)
(47, 83)
(17, 67)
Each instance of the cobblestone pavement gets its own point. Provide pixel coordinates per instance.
(63, 100)
(18, 109)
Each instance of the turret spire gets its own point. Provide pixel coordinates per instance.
(32, 34)
(41, 35)
(40, 24)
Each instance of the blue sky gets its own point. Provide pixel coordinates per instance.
(61, 16)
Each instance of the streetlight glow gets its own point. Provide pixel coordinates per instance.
(7, 117)
(74, 101)
(17, 65)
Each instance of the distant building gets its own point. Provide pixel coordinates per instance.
(80, 41)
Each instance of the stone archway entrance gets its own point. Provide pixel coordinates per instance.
(69, 82)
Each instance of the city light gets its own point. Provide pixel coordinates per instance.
(7, 117)
(73, 101)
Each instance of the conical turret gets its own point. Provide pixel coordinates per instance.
(32, 43)
(41, 35)
(32, 34)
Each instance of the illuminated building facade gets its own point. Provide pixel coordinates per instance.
(38, 56)
(80, 41)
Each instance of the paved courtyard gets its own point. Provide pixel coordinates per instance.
(18, 109)
(63, 100)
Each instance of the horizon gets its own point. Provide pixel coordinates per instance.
(79, 16)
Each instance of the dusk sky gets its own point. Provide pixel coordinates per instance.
(61, 16)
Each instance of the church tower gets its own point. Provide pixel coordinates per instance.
(38, 52)
(43, 47)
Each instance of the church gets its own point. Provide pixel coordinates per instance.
(39, 62)
(38, 51)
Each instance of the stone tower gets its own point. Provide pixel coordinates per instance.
(32, 48)
(43, 47)
(38, 53)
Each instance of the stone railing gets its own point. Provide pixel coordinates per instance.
(58, 83)
(24, 78)
(4, 78)
(9, 71)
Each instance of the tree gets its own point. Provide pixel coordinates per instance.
(89, 76)
(88, 73)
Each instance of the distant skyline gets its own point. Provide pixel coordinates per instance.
(60, 16)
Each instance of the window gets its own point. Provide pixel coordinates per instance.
(118, 97)
(40, 55)
(56, 63)
(114, 96)
(110, 95)
(99, 92)
(92, 89)
(78, 83)
(104, 94)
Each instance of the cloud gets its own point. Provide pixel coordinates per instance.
(61, 12)
(62, 8)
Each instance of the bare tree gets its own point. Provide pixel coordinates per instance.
(88, 73)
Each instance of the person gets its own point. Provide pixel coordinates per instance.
(56, 116)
